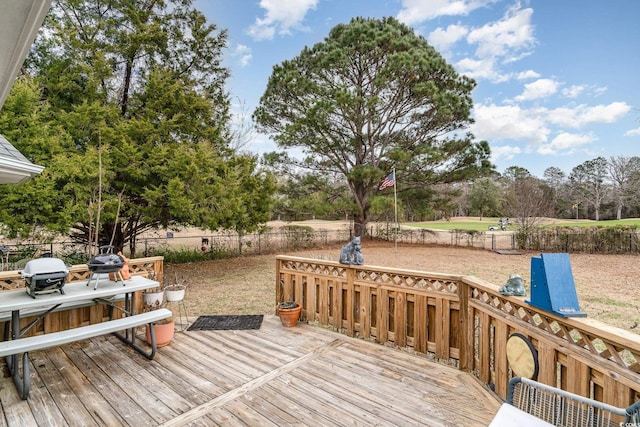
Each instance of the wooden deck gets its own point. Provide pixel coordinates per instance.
(274, 376)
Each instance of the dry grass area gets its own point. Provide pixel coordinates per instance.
(607, 285)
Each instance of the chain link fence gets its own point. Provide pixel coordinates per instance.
(14, 257)
(289, 239)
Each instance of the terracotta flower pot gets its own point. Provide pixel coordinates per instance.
(164, 333)
(289, 316)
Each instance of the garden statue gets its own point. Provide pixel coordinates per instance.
(514, 287)
(351, 253)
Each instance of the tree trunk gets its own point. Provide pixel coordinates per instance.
(360, 225)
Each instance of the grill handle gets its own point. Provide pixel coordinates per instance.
(106, 249)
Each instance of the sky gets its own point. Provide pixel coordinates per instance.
(557, 80)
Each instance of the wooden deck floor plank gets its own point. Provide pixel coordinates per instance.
(189, 383)
(431, 375)
(261, 399)
(69, 404)
(17, 412)
(204, 362)
(268, 356)
(332, 407)
(356, 398)
(85, 378)
(303, 410)
(222, 417)
(317, 378)
(414, 366)
(249, 415)
(388, 389)
(375, 397)
(355, 413)
(209, 363)
(447, 385)
(292, 339)
(161, 373)
(243, 357)
(134, 399)
(43, 407)
(422, 401)
(207, 348)
(203, 422)
(168, 387)
(264, 338)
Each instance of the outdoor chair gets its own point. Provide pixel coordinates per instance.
(562, 408)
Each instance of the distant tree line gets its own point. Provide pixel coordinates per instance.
(597, 189)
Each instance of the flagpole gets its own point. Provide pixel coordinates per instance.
(395, 205)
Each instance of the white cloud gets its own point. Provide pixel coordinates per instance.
(506, 152)
(442, 39)
(541, 88)
(573, 91)
(565, 143)
(493, 122)
(417, 11)
(606, 113)
(484, 68)
(243, 53)
(599, 90)
(581, 115)
(503, 41)
(535, 125)
(510, 37)
(280, 16)
(526, 75)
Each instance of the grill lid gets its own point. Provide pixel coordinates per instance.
(105, 263)
(43, 266)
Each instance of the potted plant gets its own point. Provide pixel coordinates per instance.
(175, 292)
(164, 331)
(153, 298)
(289, 312)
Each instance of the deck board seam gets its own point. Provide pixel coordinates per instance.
(203, 409)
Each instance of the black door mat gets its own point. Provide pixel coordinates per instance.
(228, 322)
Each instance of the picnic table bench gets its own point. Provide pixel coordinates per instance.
(20, 304)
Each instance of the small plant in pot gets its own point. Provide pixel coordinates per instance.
(289, 312)
(175, 292)
(163, 330)
(153, 298)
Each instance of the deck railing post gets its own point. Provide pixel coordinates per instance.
(466, 328)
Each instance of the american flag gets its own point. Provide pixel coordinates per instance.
(389, 181)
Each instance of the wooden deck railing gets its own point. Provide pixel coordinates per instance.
(463, 321)
(66, 319)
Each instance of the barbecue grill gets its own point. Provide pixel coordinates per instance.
(103, 263)
(44, 275)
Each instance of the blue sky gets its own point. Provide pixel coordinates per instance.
(557, 80)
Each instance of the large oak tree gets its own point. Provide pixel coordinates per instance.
(374, 96)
